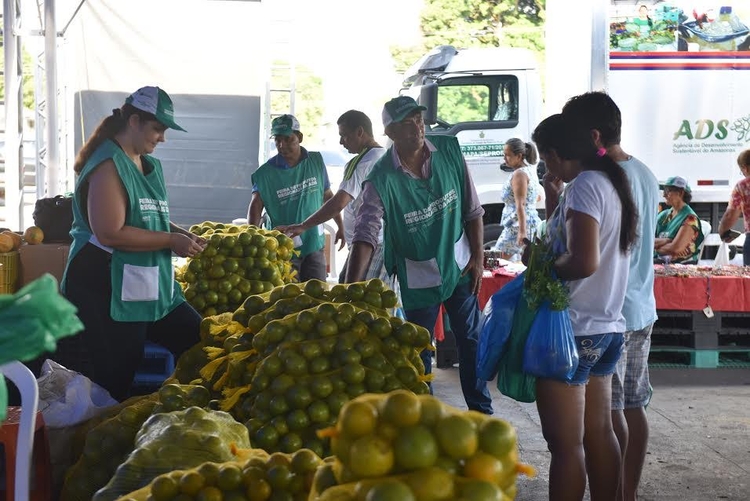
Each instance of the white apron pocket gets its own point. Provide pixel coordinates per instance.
(422, 274)
(462, 251)
(297, 241)
(140, 283)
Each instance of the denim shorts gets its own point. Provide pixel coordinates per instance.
(597, 356)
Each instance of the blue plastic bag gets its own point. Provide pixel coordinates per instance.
(550, 350)
(496, 328)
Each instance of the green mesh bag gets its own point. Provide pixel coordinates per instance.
(31, 322)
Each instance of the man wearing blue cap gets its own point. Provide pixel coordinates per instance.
(432, 241)
(291, 186)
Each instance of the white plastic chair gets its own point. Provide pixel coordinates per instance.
(26, 383)
(331, 257)
(706, 229)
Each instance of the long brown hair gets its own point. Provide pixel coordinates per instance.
(108, 129)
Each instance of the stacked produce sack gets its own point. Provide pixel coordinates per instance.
(289, 359)
(295, 374)
(393, 447)
(238, 261)
(259, 477)
(109, 443)
(176, 440)
(406, 447)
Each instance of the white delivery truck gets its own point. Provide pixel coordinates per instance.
(680, 77)
(483, 96)
(680, 73)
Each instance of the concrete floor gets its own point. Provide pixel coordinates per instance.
(700, 435)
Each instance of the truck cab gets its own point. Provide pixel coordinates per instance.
(483, 97)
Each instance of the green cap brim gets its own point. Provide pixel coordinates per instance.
(282, 131)
(170, 123)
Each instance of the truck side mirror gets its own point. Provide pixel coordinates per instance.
(428, 98)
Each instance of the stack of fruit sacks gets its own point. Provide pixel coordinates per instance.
(238, 261)
(108, 443)
(301, 356)
(313, 362)
(406, 447)
(176, 440)
(258, 477)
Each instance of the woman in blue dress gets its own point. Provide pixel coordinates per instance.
(520, 218)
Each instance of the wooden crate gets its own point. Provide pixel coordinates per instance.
(9, 272)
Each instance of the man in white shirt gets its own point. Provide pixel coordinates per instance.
(355, 131)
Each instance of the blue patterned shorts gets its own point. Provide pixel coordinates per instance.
(597, 356)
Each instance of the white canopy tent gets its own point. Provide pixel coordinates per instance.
(208, 54)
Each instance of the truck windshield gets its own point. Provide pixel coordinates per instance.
(478, 100)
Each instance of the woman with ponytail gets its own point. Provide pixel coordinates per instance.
(590, 231)
(119, 272)
(520, 218)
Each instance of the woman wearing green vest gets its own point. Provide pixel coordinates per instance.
(678, 229)
(119, 273)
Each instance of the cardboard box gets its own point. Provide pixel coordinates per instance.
(36, 260)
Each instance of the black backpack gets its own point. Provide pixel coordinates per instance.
(55, 218)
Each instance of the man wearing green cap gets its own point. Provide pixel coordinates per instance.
(291, 186)
(432, 223)
(355, 131)
(119, 272)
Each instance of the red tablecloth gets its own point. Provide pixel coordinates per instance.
(492, 281)
(693, 293)
(672, 293)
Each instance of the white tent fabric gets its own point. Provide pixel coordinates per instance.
(206, 55)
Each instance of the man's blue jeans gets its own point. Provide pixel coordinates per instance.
(465, 318)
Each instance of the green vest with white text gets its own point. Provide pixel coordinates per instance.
(424, 242)
(291, 195)
(143, 284)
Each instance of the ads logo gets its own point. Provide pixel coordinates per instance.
(703, 129)
(708, 129)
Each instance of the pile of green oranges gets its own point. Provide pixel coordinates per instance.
(402, 446)
(239, 260)
(312, 361)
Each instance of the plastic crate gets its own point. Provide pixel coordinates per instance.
(692, 329)
(9, 266)
(157, 366)
(693, 28)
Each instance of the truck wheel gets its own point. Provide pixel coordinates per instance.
(491, 234)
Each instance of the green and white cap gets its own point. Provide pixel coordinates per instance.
(284, 125)
(398, 108)
(157, 102)
(676, 182)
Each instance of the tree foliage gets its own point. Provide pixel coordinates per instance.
(27, 81)
(307, 100)
(477, 23)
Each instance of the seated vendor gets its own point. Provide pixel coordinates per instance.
(678, 229)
